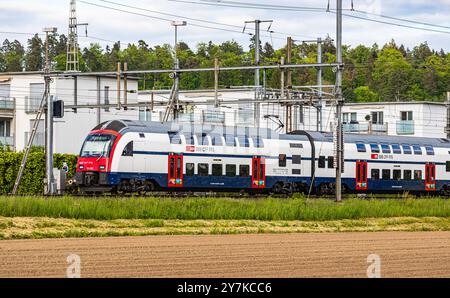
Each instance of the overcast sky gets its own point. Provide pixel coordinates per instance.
(33, 15)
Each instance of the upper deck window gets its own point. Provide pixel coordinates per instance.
(417, 150)
(202, 139)
(375, 148)
(243, 141)
(230, 140)
(406, 149)
(429, 149)
(174, 138)
(258, 142)
(216, 140)
(396, 149)
(361, 147)
(385, 148)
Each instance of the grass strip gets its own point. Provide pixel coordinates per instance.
(41, 227)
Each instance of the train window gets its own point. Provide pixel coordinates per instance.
(330, 162)
(216, 140)
(406, 149)
(361, 147)
(397, 175)
(447, 166)
(230, 170)
(385, 149)
(243, 141)
(244, 170)
(296, 159)
(417, 150)
(282, 160)
(396, 149)
(174, 138)
(375, 174)
(190, 169)
(258, 142)
(202, 140)
(230, 140)
(142, 136)
(189, 139)
(203, 169)
(296, 172)
(375, 148)
(217, 170)
(407, 175)
(128, 150)
(322, 162)
(386, 174)
(429, 149)
(418, 175)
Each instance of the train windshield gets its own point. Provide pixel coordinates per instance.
(97, 145)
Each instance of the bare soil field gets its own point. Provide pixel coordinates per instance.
(403, 254)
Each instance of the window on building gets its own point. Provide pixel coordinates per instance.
(296, 172)
(5, 128)
(377, 117)
(418, 175)
(282, 160)
(217, 170)
(5, 90)
(330, 162)
(406, 116)
(322, 162)
(349, 117)
(145, 114)
(407, 175)
(128, 150)
(396, 149)
(417, 150)
(375, 148)
(244, 170)
(406, 149)
(36, 94)
(429, 149)
(375, 174)
(106, 97)
(397, 175)
(203, 169)
(230, 140)
(385, 148)
(361, 147)
(174, 138)
(190, 169)
(296, 159)
(230, 170)
(386, 174)
(245, 113)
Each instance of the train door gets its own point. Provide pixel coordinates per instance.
(175, 170)
(361, 175)
(430, 177)
(258, 172)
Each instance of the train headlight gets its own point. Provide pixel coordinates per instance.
(81, 167)
(102, 167)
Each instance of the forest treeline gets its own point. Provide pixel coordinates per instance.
(378, 73)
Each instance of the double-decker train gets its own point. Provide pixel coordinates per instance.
(134, 156)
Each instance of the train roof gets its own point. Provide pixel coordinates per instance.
(124, 126)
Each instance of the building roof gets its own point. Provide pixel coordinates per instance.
(41, 73)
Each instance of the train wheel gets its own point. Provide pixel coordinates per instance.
(278, 188)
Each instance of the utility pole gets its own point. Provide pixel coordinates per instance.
(257, 63)
(339, 150)
(72, 63)
(50, 188)
(177, 67)
(289, 86)
(319, 83)
(216, 82)
(447, 128)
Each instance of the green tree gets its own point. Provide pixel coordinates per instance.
(364, 94)
(34, 59)
(13, 55)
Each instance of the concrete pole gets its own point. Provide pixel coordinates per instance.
(257, 80)
(216, 82)
(339, 103)
(319, 83)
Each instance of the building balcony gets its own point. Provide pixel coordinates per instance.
(405, 127)
(7, 141)
(39, 139)
(376, 128)
(6, 104)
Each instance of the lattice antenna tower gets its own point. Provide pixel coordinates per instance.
(73, 63)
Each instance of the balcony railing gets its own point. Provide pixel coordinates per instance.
(377, 128)
(39, 139)
(6, 141)
(6, 104)
(405, 127)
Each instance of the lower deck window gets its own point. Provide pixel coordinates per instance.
(331, 162)
(418, 175)
(190, 169)
(244, 170)
(217, 170)
(230, 170)
(407, 175)
(321, 162)
(386, 174)
(296, 172)
(375, 173)
(397, 175)
(203, 169)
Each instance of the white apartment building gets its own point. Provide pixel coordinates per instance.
(20, 96)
